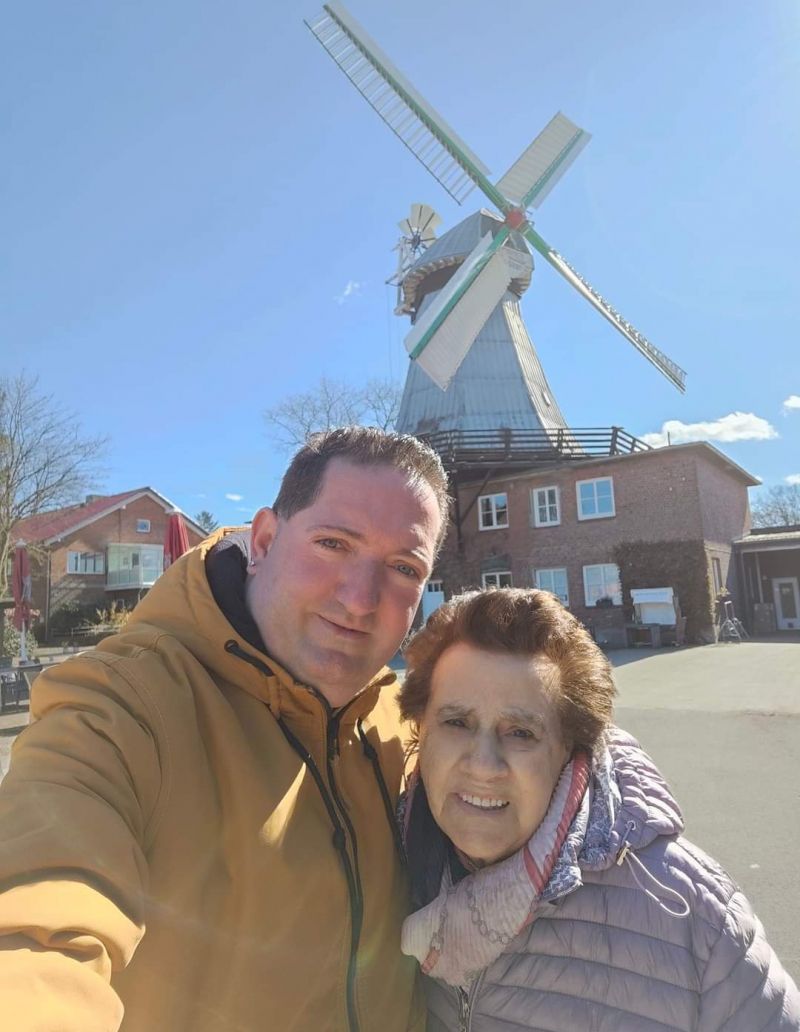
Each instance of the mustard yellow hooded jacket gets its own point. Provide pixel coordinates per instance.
(192, 842)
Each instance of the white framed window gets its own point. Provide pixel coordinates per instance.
(602, 581)
(143, 526)
(546, 506)
(595, 498)
(555, 581)
(435, 585)
(85, 562)
(716, 572)
(493, 511)
(499, 579)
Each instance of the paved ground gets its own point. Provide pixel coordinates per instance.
(723, 723)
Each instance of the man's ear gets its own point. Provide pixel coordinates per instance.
(262, 534)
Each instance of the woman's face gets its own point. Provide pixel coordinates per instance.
(490, 748)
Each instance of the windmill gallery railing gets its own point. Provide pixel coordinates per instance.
(506, 447)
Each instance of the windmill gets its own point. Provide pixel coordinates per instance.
(418, 231)
(485, 261)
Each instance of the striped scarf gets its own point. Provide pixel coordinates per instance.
(469, 924)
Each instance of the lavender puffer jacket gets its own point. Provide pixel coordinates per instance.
(607, 957)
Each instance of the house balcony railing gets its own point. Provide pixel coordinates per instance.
(117, 580)
(461, 449)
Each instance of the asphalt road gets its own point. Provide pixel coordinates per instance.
(723, 724)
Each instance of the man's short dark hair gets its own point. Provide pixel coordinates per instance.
(363, 446)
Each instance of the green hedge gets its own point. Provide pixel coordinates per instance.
(681, 565)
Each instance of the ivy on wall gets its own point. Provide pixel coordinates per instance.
(680, 565)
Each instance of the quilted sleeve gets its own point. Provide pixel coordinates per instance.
(744, 987)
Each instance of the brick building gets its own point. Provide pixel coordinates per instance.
(558, 526)
(107, 550)
(769, 565)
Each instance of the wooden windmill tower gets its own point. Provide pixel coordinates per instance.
(475, 369)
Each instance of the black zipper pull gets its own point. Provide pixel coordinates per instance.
(333, 737)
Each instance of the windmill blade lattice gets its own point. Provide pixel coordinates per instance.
(408, 115)
(537, 170)
(662, 362)
(444, 333)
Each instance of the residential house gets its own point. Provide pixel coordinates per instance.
(106, 551)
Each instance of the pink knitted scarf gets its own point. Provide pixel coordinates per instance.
(469, 924)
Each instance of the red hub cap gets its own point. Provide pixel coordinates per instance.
(515, 218)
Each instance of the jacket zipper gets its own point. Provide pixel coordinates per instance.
(335, 808)
(357, 894)
(466, 1001)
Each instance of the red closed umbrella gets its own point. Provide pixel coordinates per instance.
(21, 589)
(177, 539)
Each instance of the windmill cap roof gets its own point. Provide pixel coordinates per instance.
(453, 247)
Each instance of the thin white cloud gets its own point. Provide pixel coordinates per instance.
(793, 478)
(736, 426)
(353, 289)
(245, 508)
(792, 402)
(234, 497)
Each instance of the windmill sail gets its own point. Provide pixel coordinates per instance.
(457, 169)
(662, 362)
(408, 115)
(444, 334)
(534, 174)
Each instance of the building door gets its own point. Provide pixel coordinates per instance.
(432, 597)
(787, 603)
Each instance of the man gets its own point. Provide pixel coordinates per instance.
(196, 832)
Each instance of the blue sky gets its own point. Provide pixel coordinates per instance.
(188, 188)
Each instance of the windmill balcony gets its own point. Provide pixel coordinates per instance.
(508, 448)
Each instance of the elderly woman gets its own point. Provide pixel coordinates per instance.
(551, 889)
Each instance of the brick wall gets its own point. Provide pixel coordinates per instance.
(118, 527)
(668, 494)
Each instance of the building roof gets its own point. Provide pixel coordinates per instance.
(764, 538)
(648, 455)
(47, 527)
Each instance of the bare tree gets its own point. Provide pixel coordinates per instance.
(45, 461)
(206, 520)
(332, 404)
(777, 507)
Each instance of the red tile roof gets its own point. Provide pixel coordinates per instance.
(57, 522)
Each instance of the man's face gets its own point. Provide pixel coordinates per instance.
(335, 587)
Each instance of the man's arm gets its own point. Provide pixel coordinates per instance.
(76, 810)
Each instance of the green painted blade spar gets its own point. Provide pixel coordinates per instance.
(662, 362)
(540, 166)
(444, 333)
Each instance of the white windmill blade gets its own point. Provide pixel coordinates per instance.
(662, 362)
(444, 333)
(421, 128)
(537, 170)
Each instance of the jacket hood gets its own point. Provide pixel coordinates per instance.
(647, 808)
(182, 604)
(629, 805)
